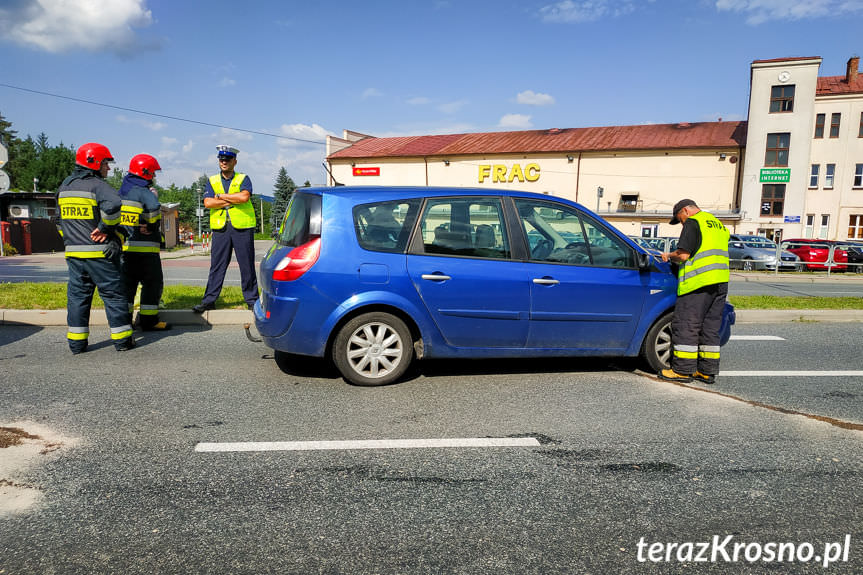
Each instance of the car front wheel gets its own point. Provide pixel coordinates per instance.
(656, 349)
(373, 349)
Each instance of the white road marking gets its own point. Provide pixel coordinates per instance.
(757, 338)
(769, 373)
(369, 444)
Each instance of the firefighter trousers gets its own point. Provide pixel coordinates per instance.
(85, 275)
(695, 330)
(144, 268)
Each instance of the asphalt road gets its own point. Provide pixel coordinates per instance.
(620, 457)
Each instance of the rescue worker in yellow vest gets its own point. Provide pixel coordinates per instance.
(232, 221)
(141, 220)
(89, 216)
(702, 287)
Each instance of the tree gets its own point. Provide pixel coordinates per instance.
(115, 178)
(282, 192)
(7, 134)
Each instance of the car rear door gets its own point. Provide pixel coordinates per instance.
(586, 290)
(461, 265)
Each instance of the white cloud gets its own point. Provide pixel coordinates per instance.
(313, 133)
(452, 107)
(166, 141)
(418, 101)
(371, 93)
(62, 25)
(154, 126)
(515, 122)
(226, 82)
(188, 146)
(531, 98)
(227, 135)
(585, 10)
(760, 11)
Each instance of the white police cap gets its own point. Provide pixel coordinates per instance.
(228, 151)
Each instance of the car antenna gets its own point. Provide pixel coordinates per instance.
(335, 182)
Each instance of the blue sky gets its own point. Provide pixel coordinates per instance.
(307, 69)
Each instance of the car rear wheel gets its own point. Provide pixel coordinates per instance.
(748, 265)
(373, 349)
(656, 349)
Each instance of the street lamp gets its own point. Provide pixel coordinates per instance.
(35, 181)
(199, 210)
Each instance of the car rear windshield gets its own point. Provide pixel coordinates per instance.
(302, 220)
(385, 226)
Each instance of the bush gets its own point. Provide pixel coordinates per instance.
(9, 249)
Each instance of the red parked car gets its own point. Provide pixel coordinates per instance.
(815, 253)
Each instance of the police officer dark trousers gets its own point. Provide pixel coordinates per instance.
(89, 215)
(141, 217)
(702, 288)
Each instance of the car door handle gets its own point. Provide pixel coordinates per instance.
(435, 277)
(546, 281)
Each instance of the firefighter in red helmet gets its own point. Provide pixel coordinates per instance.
(89, 216)
(142, 222)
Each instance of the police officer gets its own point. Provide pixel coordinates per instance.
(141, 216)
(232, 220)
(89, 216)
(702, 287)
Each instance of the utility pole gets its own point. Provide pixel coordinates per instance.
(199, 210)
(262, 214)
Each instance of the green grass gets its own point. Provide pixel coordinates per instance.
(53, 296)
(794, 302)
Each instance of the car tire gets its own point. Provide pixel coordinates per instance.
(748, 265)
(656, 349)
(373, 349)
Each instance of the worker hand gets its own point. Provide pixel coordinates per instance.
(98, 237)
(112, 250)
(664, 256)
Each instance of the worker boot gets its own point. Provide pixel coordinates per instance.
(704, 378)
(671, 375)
(158, 326)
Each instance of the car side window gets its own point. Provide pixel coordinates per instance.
(471, 227)
(560, 234)
(386, 226)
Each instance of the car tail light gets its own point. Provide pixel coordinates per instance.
(298, 261)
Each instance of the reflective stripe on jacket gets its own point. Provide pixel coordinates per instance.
(242, 215)
(708, 265)
(140, 208)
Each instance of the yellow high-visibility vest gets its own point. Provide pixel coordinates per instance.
(242, 215)
(709, 265)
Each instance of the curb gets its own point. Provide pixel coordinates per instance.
(57, 317)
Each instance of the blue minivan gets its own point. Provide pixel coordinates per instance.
(375, 277)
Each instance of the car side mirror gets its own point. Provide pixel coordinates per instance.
(736, 244)
(645, 260)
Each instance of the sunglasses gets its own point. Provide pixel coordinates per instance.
(225, 158)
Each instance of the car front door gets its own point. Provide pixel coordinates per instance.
(462, 268)
(586, 290)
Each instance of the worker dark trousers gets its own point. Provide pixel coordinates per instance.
(695, 330)
(243, 244)
(144, 268)
(85, 275)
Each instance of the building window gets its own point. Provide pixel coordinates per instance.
(829, 176)
(858, 176)
(834, 125)
(772, 198)
(782, 99)
(855, 227)
(813, 176)
(825, 223)
(777, 149)
(819, 126)
(810, 226)
(628, 203)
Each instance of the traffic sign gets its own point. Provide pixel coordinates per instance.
(4, 181)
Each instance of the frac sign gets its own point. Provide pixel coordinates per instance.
(500, 173)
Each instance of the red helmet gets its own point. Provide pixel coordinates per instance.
(91, 155)
(145, 166)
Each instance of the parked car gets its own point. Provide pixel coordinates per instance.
(748, 252)
(854, 253)
(815, 254)
(374, 277)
